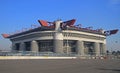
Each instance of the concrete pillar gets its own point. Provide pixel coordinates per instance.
(58, 46)
(34, 46)
(13, 48)
(57, 25)
(97, 48)
(103, 48)
(58, 38)
(22, 46)
(80, 47)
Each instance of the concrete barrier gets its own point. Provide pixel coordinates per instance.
(34, 57)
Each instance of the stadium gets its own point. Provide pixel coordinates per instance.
(61, 37)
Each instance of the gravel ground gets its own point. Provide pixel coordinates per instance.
(60, 66)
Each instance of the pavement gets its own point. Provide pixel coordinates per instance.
(60, 66)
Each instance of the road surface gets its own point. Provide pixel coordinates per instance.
(60, 66)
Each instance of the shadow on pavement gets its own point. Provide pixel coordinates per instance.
(118, 70)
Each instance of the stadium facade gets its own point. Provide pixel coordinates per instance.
(60, 37)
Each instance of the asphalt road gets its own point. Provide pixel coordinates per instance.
(60, 66)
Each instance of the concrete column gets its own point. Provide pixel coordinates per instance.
(57, 25)
(58, 46)
(80, 47)
(13, 47)
(34, 46)
(58, 38)
(103, 48)
(97, 48)
(22, 46)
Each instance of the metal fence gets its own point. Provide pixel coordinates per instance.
(51, 54)
(25, 53)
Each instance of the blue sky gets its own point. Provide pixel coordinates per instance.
(18, 14)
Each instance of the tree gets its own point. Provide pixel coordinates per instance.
(118, 52)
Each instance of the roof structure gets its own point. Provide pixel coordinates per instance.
(45, 26)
